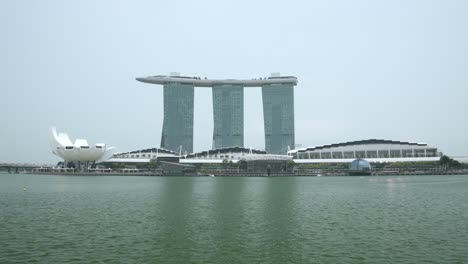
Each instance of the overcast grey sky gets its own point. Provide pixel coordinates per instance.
(367, 69)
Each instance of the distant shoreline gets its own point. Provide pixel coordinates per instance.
(240, 174)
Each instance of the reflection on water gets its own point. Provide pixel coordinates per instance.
(394, 219)
(280, 219)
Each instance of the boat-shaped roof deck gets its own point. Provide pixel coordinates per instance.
(199, 82)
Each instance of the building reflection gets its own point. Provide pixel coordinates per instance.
(173, 231)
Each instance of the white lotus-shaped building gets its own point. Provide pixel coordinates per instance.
(81, 151)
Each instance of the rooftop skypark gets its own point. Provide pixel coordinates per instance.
(204, 82)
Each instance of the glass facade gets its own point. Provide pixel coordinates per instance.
(369, 151)
(278, 117)
(360, 165)
(228, 112)
(178, 118)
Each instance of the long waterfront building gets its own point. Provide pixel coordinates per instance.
(228, 111)
(373, 150)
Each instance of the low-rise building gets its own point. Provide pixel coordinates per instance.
(373, 150)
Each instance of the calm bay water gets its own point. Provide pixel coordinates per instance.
(128, 219)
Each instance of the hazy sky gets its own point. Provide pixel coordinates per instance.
(367, 69)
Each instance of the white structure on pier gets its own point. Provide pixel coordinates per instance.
(80, 151)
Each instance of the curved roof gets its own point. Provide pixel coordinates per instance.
(358, 142)
(226, 150)
(265, 157)
(149, 150)
(199, 82)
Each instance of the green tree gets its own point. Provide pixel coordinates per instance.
(117, 166)
(447, 162)
(455, 164)
(444, 160)
(152, 164)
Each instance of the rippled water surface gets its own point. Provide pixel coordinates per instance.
(81, 219)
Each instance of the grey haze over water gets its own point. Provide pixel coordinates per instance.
(367, 69)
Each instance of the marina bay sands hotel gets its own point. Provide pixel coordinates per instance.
(228, 111)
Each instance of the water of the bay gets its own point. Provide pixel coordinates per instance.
(129, 219)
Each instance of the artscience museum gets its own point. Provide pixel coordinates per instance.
(80, 151)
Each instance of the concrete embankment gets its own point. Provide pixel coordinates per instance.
(243, 174)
